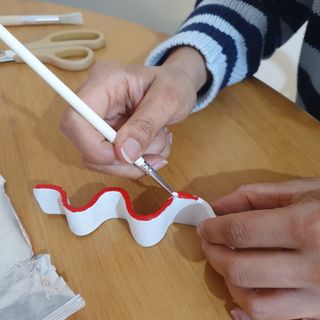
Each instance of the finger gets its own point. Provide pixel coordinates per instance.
(122, 169)
(276, 228)
(165, 153)
(274, 304)
(95, 93)
(258, 268)
(118, 121)
(161, 141)
(88, 140)
(155, 111)
(161, 147)
(108, 101)
(84, 136)
(239, 314)
(265, 195)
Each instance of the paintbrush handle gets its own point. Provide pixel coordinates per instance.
(25, 20)
(10, 20)
(69, 18)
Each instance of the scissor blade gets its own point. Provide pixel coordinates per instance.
(6, 55)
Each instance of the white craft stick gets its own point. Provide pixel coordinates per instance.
(69, 18)
(66, 93)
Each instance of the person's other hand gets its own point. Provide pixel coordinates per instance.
(266, 245)
(138, 102)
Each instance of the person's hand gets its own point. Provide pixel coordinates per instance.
(266, 245)
(138, 102)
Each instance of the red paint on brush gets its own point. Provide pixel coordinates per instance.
(125, 195)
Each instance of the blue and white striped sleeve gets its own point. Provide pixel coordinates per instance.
(232, 35)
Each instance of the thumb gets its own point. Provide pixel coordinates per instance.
(137, 133)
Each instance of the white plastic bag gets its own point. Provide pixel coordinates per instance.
(30, 288)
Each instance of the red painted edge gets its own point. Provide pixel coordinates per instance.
(183, 195)
(125, 196)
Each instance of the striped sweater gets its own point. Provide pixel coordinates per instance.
(235, 35)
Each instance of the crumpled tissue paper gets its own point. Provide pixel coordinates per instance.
(30, 288)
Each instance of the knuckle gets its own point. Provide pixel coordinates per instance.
(244, 187)
(67, 121)
(298, 231)
(97, 159)
(236, 274)
(236, 233)
(169, 93)
(313, 276)
(312, 233)
(306, 225)
(171, 97)
(145, 126)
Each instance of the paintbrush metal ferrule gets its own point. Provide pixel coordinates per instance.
(146, 168)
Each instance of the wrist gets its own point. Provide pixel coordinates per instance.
(191, 62)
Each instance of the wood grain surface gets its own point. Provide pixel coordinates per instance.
(249, 134)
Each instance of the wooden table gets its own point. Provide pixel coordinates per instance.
(249, 134)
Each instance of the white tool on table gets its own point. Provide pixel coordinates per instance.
(69, 18)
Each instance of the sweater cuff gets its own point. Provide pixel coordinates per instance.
(212, 53)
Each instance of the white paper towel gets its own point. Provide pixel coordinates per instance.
(30, 288)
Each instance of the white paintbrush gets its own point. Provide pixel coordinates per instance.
(74, 101)
(69, 18)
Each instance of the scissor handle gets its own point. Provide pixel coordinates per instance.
(78, 37)
(62, 57)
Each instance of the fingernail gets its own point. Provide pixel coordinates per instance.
(199, 231)
(234, 315)
(170, 138)
(238, 314)
(203, 245)
(159, 164)
(165, 129)
(131, 150)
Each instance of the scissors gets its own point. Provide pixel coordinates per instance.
(70, 50)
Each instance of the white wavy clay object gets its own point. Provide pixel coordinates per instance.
(111, 203)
